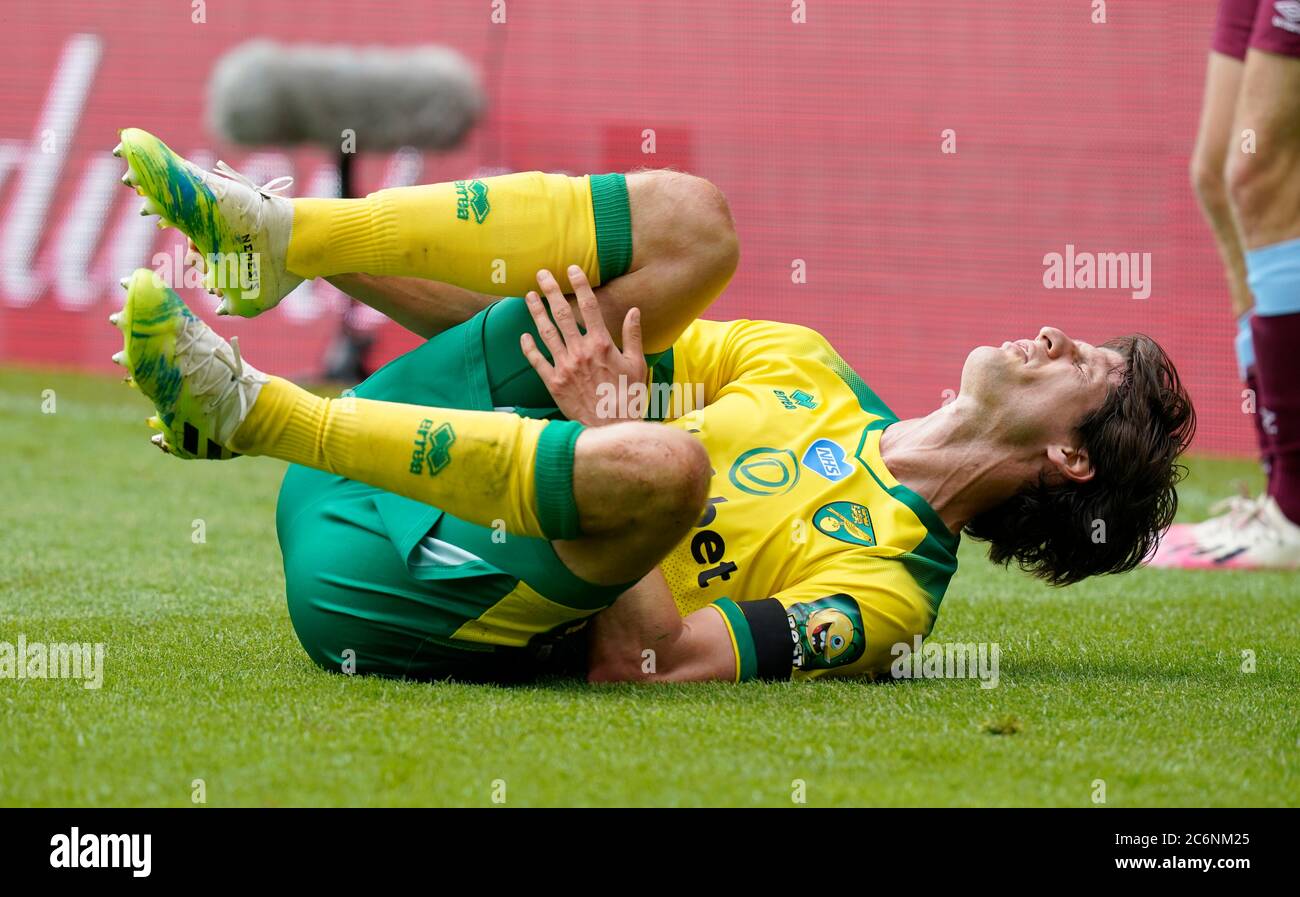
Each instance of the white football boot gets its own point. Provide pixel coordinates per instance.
(242, 230)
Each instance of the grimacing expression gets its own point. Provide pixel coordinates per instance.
(1042, 388)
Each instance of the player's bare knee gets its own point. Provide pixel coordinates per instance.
(712, 233)
(672, 473)
(681, 215)
(1209, 180)
(667, 472)
(1261, 186)
(632, 475)
(687, 473)
(1246, 175)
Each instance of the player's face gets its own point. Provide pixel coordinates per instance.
(1042, 386)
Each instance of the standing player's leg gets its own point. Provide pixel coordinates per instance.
(1218, 141)
(1215, 139)
(1265, 194)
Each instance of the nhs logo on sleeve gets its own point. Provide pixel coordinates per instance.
(828, 459)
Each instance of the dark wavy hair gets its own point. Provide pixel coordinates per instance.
(1066, 532)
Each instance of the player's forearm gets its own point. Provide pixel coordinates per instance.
(643, 619)
(642, 638)
(425, 307)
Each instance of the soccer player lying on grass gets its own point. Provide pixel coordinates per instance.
(477, 503)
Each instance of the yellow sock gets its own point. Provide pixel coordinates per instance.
(491, 235)
(480, 466)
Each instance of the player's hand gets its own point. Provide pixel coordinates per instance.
(589, 377)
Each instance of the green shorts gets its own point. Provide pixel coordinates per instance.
(384, 585)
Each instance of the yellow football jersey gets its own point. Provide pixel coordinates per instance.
(808, 546)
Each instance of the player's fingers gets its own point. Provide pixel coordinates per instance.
(588, 304)
(535, 357)
(632, 335)
(545, 329)
(559, 306)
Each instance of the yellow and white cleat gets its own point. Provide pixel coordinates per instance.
(240, 228)
(196, 380)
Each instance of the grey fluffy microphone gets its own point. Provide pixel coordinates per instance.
(263, 93)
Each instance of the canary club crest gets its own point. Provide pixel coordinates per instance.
(846, 521)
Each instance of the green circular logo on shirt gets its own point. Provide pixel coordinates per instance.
(765, 471)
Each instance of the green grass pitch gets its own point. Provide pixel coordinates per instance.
(1135, 680)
